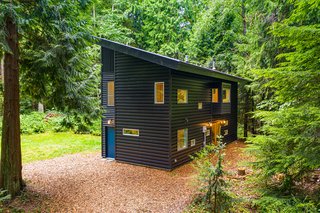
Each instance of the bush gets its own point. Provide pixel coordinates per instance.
(36, 122)
(213, 193)
(289, 204)
(32, 123)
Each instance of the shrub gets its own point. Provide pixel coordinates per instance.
(273, 203)
(32, 123)
(213, 194)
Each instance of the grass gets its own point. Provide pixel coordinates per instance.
(51, 145)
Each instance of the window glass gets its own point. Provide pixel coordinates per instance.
(130, 132)
(182, 96)
(200, 105)
(182, 135)
(215, 95)
(226, 93)
(159, 92)
(111, 93)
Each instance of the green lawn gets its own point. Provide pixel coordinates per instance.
(50, 145)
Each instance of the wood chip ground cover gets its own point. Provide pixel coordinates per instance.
(87, 183)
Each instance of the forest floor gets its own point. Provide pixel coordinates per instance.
(86, 183)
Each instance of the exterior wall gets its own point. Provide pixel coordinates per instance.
(156, 146)
(189, 116)
(107, 74)
(135, 109)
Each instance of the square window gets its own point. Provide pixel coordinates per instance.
(182, 136)
(226, 93)
(215, 95)
(193, 142)
(200, 105)
(182, 96)
(159, 92)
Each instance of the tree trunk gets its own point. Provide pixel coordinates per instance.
(246, 111)
(11, 166)
(253, 120)
(243, 14)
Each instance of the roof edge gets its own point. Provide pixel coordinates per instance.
(167, 61)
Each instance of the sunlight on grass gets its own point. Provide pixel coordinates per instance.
(50, 145)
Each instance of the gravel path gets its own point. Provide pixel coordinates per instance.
(87, 183)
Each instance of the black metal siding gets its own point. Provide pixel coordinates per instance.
(189, 116)
(135, 109)
(107, 74)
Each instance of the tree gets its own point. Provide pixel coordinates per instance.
(54, 62)
(163, 26)
(11, 165)
(290, 140)
(214, 195)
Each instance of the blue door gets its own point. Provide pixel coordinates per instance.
(110, 142)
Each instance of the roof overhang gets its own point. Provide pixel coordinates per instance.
(168, 62)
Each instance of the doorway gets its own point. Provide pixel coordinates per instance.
(110, 142)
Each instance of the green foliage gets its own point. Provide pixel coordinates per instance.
(290, 140)
(214, 35)
(212, 187)
(52, 121)
(290, 204)
(289, 144)
(163, 26)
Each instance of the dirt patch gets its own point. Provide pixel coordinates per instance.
(87, 183)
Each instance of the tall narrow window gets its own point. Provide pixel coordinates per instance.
(215, 95)
(182, 96)
(182, 135)
(226, 93)
(159, 92)
(111, 93)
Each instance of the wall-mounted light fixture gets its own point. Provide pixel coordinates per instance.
(110, 122)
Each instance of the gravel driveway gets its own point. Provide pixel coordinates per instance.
(87, 183)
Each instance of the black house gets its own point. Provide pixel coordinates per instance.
(160, 110)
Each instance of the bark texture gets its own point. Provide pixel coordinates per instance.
(11, 166)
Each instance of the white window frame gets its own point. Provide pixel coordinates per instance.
(226, 86)
(155, 92)
(185, 130)
(187, 98)
(128, 134)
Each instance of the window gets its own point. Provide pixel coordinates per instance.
(193, 142)
(215, 95)
(130, 132)
(182, 135)
(226, 88)
(159, 92)
(208, 133)
(182, 96)
(111, 93)
(200, 105)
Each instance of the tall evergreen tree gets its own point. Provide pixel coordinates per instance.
(54, 62)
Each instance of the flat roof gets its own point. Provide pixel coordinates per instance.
(167, 61)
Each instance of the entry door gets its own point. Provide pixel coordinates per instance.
(216, 129)
(110, 142)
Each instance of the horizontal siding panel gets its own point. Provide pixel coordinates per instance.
(135, 108)
(188, 115)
